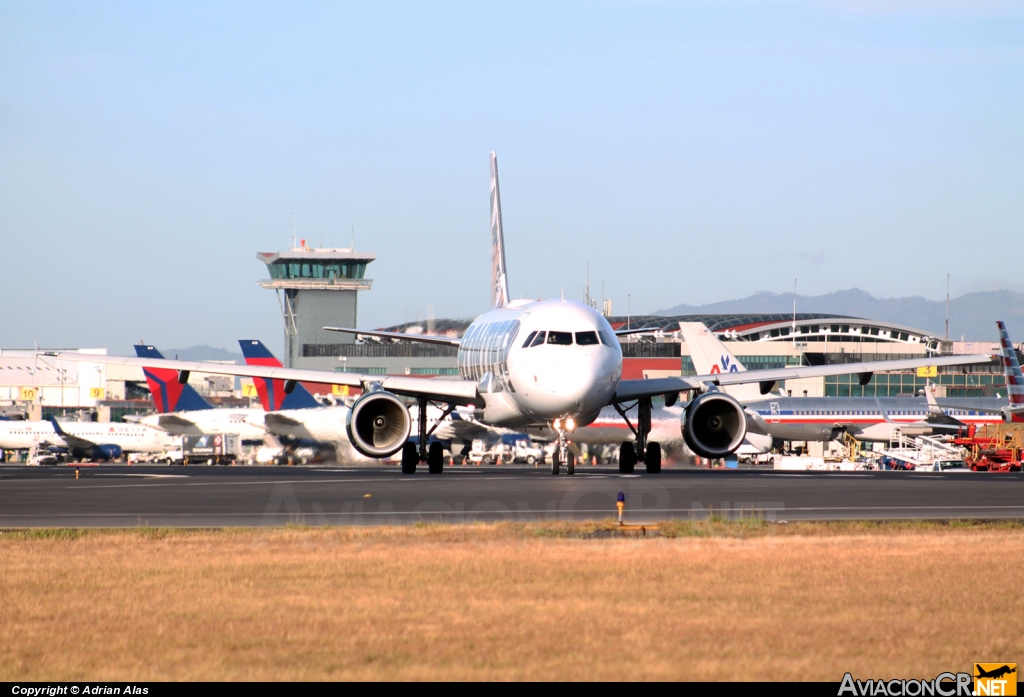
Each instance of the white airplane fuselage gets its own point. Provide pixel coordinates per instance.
(22, 435)
(246, 423)
(571, 371)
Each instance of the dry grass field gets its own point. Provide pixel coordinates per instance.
(708, 600)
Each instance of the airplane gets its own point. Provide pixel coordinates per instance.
(537, 362)
(183, 411)
(88, 439)
(292, 412)
(300, 416)
(827, 418)
(995, 672)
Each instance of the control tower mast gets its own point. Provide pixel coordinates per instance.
(316, 288)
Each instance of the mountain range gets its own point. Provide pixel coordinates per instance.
(204, 353)
(972, 315)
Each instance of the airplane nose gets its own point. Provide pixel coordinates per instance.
(573, 385)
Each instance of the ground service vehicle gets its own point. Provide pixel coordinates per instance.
(211, 449)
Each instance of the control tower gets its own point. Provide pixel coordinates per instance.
(316, 288)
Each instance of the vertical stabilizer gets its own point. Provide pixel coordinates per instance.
(1011, 368)
(710, 356)
(272, 390)
(499, 282)
(168, 394)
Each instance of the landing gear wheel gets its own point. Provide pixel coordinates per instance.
(410, 458)
(554, 462)
(627, 458)
(570, 463)
(435, 458)
(653, 459)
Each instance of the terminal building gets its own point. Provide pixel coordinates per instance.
(758, 341)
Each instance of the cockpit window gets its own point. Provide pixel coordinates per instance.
(560, 338)
(605, 339)
(539, 340)
(529, 338)
(586, 338)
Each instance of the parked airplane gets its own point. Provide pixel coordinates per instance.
(183, 411)
(530, 362)
(827, 418)
(89, 439)
(302, 417)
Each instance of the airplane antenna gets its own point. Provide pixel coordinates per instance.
(563, 294)
(627, 310)
(294, 236)
(947, 307)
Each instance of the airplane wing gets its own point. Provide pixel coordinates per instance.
(275, 419)
(168, 420)
(1007, 409)
(634, 389)
(440, 389)
(644, 330)
(423, 338)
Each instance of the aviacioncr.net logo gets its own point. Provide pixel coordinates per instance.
(943, 685)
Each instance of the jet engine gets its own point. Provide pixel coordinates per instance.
(378, 424)
(714, 425)
(107, 451)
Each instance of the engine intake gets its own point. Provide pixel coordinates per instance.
(714, 425)
(378, 424)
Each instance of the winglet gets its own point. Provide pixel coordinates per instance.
(499, 281)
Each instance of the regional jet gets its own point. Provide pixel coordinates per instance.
(537, 362)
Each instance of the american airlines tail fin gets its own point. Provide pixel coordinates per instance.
(499, 282)
(1014, 378)
(272, 392)
(168, 394)
(710, 356)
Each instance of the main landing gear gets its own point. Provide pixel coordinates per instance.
(562, 452)
(647, 453)
(431, 453)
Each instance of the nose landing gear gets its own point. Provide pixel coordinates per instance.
(562, 452)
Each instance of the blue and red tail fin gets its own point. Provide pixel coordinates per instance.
(271, 391)
(169, 394)
(1011, 369)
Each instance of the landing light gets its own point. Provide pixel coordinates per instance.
(570, 425)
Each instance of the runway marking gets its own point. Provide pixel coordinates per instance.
(277, 481)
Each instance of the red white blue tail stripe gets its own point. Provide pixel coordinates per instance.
(1011, 367)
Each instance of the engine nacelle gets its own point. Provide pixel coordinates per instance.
(714, 425)
(107, 451)
(378, 424)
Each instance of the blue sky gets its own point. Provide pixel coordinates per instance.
(693, 151)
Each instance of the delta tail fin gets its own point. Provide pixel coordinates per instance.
(499, 281)
(273, 393)
(710, 357)
(168, 394)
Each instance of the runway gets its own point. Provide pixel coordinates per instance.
(119, 496)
